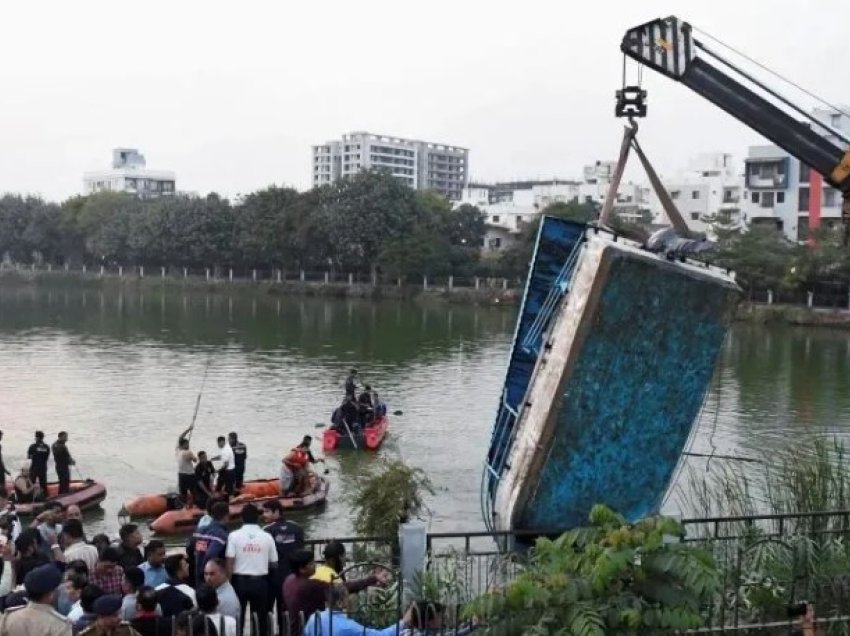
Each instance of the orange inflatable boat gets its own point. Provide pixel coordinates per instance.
(185, 519)
(85, 494)
(154, 505)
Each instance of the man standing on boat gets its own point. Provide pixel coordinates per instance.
(38, 453)
(226, 470)
(240, 456)
(297, 462)
(351, 384)
(185, 467)
(63, 461)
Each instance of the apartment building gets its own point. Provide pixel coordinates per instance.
(129, 173)
(420, 165)
(784, 193)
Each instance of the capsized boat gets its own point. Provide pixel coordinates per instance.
(368, 438)
(186, 519)
(86, 494)
(155, 505)
(613, 352)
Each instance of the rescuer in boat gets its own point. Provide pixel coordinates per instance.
(204, 471)
(366, 406)
(240, 457)
(226, 472)
(38, 453)
(25, 489)
(295, 472)
(185, 467)
(63, 460)
(351, 384)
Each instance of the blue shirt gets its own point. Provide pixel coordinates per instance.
(153, 576)
(336, 623)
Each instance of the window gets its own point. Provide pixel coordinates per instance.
(803, 200)
(495, 243)
(674, 194)
(694, 216)
(780, 197)
(804, 173)
(767, 199)
(495, 218)
(835, 120)
(802, 228)
(755, 197)
(830, 197)
(695, 195)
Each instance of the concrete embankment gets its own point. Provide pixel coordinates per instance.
(761, 314)
(494, 294)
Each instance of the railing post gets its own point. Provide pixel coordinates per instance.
(425, 282)
(84, 268)
(162, 272)
(398, 282)
(141, 271)
(50, 267)
(207, 272)
(254, 275)
(120, 271)
(811, 299)
(451, 283)
(412, 540)
(769, 296)
(185, 272)
(303, 277)
(230, 274)
(32, 266)
(504, 283)
(477, 283)
(278, 275)
(66, 267)
(350, 279)
(327, 277)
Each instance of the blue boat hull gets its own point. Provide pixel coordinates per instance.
(629, 354)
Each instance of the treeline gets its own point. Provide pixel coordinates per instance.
(370, 222)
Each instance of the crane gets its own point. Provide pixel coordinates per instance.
(669, 46)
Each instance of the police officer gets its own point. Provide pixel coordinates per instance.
(288, 538)
(240, 456)
(108, 623)
(38, 616)
(38, 453)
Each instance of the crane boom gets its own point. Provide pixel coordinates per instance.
(667, 46)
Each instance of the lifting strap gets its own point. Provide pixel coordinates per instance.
(629, 142)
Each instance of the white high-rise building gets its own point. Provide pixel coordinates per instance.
(421, 165)
(129, 174)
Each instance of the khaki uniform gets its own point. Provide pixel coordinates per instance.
(35, 618)
(124, 629)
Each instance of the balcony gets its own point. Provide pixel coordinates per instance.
(767, 174)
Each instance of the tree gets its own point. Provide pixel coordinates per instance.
(608, 578)
(389, 496)
(363, 213)
(760, 256)
(263, 224)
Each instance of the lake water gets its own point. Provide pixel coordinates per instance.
(121, 370)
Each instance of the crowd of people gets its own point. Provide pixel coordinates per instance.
(56, 582)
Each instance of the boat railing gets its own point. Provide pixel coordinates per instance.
(560, 287)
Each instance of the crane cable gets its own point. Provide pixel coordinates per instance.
(772, 72)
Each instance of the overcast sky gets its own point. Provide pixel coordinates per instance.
(231, 95)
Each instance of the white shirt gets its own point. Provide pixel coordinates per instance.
(82, 552)
(226, 456)
(76, 612)
(229, 624)
(252, 550)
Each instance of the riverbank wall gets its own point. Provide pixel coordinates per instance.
(446, 289)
